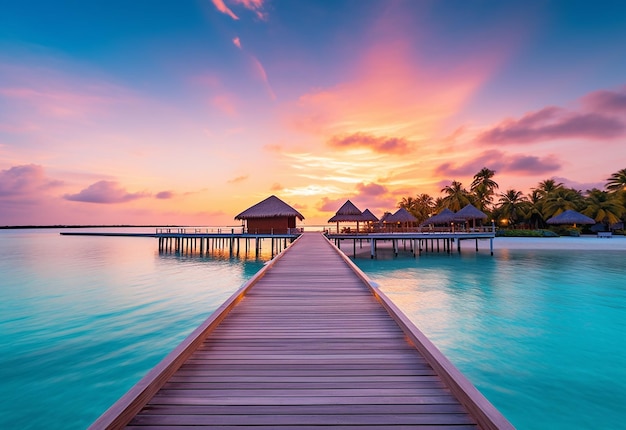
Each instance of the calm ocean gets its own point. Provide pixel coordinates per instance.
(539, 332)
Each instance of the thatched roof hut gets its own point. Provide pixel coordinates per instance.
(348, 212)
(401, 215)
(369, 216)
(446, 216)
(385, 217)
(571, 217)
(271, 215)
(470, 212)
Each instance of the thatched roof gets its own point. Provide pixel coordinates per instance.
(470, 212)
(571, 217)
(369, 216)
(347, 212)
(385, 217)
(443, 217)
(269, 208)
(401, 215)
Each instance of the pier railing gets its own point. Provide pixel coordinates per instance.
(350, 230)
(226, 231)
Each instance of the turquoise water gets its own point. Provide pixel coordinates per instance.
(82, 319)
(540, 333)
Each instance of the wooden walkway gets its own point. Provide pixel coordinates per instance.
(307, 343)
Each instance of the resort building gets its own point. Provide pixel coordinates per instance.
(270, 216)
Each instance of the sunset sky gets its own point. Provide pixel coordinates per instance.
(190, 111)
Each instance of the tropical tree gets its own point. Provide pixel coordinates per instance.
(534, 211)
(617, 181)
(420, 206)
(407, 203)
(439, 205)
(512, 206)
(560, 200)
(603, 207)
(456, 197)
(483, 188)
(547, 186)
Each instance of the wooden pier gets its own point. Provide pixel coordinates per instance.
(417, 242)
(307, 342)
(189, 240)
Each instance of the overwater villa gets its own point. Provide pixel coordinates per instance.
(270, 216)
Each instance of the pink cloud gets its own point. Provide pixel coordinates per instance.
(262, 75)
(254, 5)
(371, 190)
(237, 42)
(606, 101)
(25, 181)
(501, 162)
(225, 103)
(220, 6)
(105, 192)
(164, 195)
(388, 91)
(330, 205)
(389, 145)
(375, 197)
(276, 187)
(552, 123)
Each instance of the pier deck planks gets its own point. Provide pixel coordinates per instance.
(307, 346)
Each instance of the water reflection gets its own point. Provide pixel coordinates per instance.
(538, 331)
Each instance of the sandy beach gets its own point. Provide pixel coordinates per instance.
(615, 243)
(585, 243)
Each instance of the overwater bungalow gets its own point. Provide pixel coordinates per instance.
(270, 216)
(348, 212)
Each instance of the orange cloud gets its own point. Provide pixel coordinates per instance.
(237, 179)
(389, 145)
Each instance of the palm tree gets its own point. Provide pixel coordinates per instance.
(560, 200)
(457, 196)
(535, 209)
(547, 186)
(483, 188)
(512, 206)
(617, 181)
(425, 205)
(604, 207)
(420, 206)
(407, 203)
